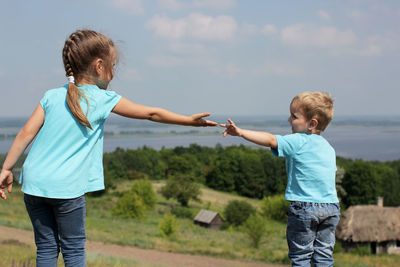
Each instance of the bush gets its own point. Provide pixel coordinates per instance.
(275, 207)
(182, 188)
(237, 212)
(136, 201)
(182, 212)
(255, 228)
(129, 206)
(168, 225)
(144, 189)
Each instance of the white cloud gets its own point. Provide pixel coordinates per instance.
(176, 5)
(129, 6)
(214, 4)
(269, 29)
(250, 29)
(306, 35)
(324, 15)
(173, 5)
(194, 26)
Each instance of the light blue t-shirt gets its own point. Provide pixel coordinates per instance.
(66, 159)
(310, 166)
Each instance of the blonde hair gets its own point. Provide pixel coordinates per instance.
(80, 50)
(315, 105)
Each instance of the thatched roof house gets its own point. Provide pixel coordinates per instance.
(376, 226)
(209, 219)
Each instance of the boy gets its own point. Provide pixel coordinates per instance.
(311, 166)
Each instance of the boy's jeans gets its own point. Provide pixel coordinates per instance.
(58, 223)
(311, 233)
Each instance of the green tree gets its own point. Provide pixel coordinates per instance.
(144, 189)
(275, 207)
(361, 183)
(129, 206)
(255, 228)
(182, 188)
(237, 212)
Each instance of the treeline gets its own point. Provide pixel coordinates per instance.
(247, 171)
(251, 172)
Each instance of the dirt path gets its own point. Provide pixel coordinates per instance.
(146, 256)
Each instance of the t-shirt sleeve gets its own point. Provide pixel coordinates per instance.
(45, 101)
(287, 145)
(110, 99)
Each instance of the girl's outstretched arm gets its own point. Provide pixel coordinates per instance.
(257, 137)
(129, 109)
(22, 140)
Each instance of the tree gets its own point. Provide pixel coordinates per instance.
(237, 212)
(182, 188)
(255, 228)
(361, 183)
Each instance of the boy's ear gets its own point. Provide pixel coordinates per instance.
(313, 124)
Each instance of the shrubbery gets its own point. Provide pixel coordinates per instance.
(136, 201)
(275, 207)
(237, 212)
(168, 225)
(255, 228)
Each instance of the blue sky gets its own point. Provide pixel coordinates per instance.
(232, 57)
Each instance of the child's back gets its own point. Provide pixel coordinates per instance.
(311, 167)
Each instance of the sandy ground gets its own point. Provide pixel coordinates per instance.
(146, 256)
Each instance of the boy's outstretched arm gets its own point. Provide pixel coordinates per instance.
(129, 109)
(257, 137)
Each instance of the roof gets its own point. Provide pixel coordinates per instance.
(206, 216)
(369, 223)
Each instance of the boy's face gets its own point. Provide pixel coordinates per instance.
(298, 121)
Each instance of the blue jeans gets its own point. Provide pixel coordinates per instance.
(310, 233)
(58, 223)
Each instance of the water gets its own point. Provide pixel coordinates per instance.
(367, 139)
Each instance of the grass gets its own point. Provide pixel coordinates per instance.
(190, 239)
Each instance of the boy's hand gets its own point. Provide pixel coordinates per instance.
(231, 129)
(199, 121)
(6, 180)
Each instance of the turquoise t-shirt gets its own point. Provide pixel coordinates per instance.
(66, 159)
(310, 166)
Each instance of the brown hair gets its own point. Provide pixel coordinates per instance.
(80, 50)
(315, 105)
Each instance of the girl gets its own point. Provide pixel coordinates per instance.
(65, 161)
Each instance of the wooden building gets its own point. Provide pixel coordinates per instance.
(208, 219)
(373, 226)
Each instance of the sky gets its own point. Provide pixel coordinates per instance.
(227, 57)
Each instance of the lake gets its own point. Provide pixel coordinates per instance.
(369, 138)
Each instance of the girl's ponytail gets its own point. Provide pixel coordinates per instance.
(74, 95)
(73, 100)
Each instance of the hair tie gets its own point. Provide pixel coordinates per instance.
(71, 79)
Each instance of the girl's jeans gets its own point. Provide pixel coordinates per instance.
(311, 233)
(58, 223)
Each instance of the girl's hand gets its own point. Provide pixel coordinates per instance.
(231, 129)
(6, 180)
(199, 121)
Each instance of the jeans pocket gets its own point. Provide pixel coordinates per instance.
(299, 229)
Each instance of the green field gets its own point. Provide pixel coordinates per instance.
(190, 239)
